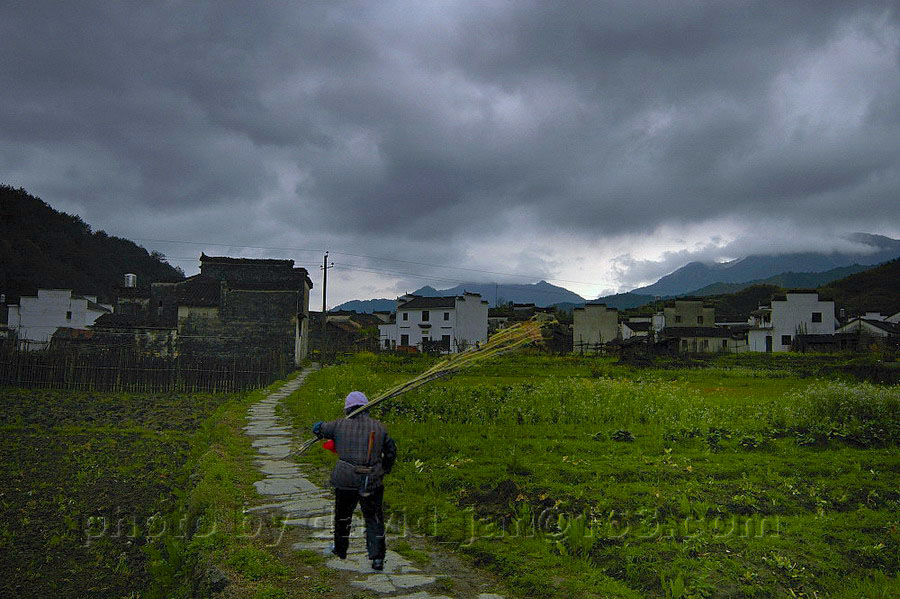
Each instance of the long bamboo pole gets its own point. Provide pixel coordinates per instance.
(501, 342)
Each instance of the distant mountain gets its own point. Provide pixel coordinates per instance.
(42, 247)
(368, 306)
(624, 301)
(874, 289)
(787, 280)
(540, 294)
(697, 275)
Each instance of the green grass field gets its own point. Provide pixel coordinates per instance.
(576, 476)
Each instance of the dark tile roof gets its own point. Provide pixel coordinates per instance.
(418, 303)
(198, 291)
(70, 333)
(130, 321)
(682, 332)
(97, 307)
(637, 326)
(247, 261)
(888, 327)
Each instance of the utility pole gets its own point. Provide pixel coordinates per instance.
(325, 266)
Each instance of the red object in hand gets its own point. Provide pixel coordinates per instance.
(329, 445)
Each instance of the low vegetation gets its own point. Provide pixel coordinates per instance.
(81, 477)
(577, 476)
(138, 496)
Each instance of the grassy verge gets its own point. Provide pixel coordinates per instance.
(213, 543)
(579, 476)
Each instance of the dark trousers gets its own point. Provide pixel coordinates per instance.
(371, 505)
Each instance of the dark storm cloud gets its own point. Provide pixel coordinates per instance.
(435, 121)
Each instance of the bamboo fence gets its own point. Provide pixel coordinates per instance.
(131, 371)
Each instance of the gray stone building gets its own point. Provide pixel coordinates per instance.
(234, 307)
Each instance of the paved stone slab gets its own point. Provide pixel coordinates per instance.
(420, 595)
(277, 467)
(271, 440)
(323, 546)
(277, 451)
(319, 522)
(391, 583)
(489, 596)
(394, 563)
(283, 486)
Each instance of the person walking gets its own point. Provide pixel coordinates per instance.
(365, 454)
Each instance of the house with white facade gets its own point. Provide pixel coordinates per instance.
(451, 323)
(635, 327)
(774, 328)
(687, 312)
(871, 327)
(594, 324)
(35, 318)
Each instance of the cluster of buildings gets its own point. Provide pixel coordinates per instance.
(234, 307)
(798, 320)
(237, 306)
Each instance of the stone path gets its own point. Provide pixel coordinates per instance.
(306, 505)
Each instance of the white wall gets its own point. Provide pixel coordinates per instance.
(466, 324)
(471, 321)
(418, 333)
(36, 318)
(793, 313)
(594, 323)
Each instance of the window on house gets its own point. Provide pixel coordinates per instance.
(387, 344)
(426, 315)
(724, 343)
(68, 316)
(445, 339)
(785, 340)
(817, 317)
(404, 339)
(705, 343)
(678, 318)
(699, 320)
(446, 316)
(406, 316)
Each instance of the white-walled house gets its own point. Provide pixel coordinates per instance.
(36, 318)
(593, 324)
(873, 327)
(635, 327)
(457, 322)
(774, 327)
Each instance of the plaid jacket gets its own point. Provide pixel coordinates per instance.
(351, 440)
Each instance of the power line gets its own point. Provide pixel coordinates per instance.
(257, 247)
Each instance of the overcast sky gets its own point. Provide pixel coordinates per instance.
(597, 145)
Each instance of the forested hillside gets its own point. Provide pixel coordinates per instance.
(41, 247)
(876, 289)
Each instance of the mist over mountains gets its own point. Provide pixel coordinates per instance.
(696, 275)
(802, 269)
